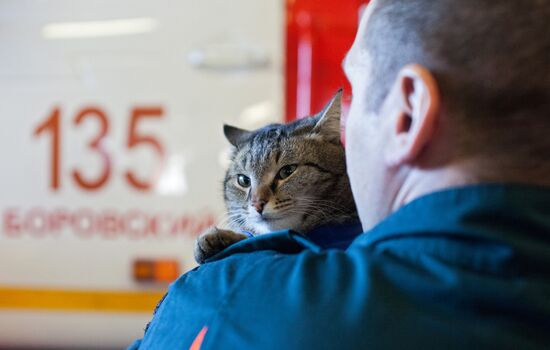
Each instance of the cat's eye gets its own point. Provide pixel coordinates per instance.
(243, 180)
(286, 171)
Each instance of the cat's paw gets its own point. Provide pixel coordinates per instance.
(213, 241)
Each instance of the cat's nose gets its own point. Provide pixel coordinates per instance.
(259, 206)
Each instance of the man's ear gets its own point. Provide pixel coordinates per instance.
(234, 135)
(415, 116)
(328, 125)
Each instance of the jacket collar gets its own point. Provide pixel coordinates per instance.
(514, 216)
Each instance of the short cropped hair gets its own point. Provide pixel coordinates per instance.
(491, 59)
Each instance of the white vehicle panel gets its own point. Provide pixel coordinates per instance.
(151, 82)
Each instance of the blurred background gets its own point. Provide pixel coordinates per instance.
(112, 148)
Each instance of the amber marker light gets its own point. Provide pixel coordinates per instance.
(156, 270)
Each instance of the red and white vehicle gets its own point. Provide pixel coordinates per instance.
(112, 148)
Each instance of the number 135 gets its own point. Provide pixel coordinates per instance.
(52, 127)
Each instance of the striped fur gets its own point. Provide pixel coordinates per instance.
(316, 193)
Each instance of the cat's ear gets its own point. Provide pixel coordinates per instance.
(234, 135)
(328, 125)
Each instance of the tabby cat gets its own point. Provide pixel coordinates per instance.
(289, 176)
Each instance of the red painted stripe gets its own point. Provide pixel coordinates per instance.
(198, 340)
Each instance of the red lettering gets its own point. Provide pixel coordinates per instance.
(109, 224)
(35, 222)
(135, 224)
(51, 125)
(12, 226)
(82, 223)
(135, 139)
(85, 223)
(153, 226)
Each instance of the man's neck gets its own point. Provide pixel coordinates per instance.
(420, 182)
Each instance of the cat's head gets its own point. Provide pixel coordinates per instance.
(289, 176)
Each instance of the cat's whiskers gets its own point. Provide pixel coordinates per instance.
(320, 210)
(232, 220)
(282, 207)
(306, 211)
(316, 208)
(325, 204)
(224, 218)
(325, 212)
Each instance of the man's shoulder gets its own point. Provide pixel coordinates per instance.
(424, 273)
(264, 291)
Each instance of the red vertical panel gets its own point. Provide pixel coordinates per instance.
(291, 64)
(318, 35)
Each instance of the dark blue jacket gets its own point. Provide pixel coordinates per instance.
(466, 268)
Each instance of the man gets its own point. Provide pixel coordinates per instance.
(448, 151)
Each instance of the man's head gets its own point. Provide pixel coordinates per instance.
(446, 93)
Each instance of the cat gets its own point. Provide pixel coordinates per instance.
(281, 176)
